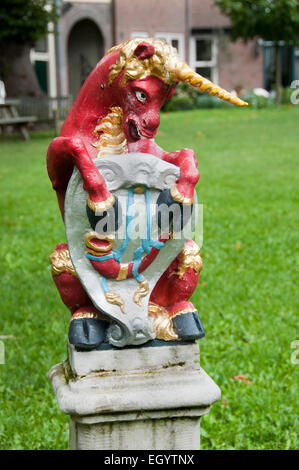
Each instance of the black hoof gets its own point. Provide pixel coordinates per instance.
(107, 221)
(87, 333)
(188, 326)
(172, 216)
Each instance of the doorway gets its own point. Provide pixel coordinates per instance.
(85, 49)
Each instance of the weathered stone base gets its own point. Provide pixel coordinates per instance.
(168, 430)
(137, 398)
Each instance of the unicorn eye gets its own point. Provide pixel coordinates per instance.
(140, 96)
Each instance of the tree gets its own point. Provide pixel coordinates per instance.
(271, 20)
(23, 22)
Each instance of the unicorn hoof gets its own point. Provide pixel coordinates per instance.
(188, 326)
(87, 333)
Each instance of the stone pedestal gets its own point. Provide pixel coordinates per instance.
(145, 398)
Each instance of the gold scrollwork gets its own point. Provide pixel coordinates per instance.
(177, 196)
(61, 262)
(189, 257)
(95, 249)
(96, 315)
(115, 298)
(123, 272)
(112, 140)
(141, 292)
(162, 321)
(101, 206)
(139, 190)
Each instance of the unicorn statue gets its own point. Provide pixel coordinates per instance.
(130, 265)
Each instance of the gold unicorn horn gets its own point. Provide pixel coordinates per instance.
(187, 75)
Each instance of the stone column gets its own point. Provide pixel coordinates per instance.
(147, 398)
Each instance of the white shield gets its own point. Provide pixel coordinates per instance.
(130, 323)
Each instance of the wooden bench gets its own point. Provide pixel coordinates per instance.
(12, 118)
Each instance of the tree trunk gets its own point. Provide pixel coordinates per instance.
(278, 74)
(16, 70)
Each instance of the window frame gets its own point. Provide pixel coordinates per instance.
(50, 58)
(213, 63)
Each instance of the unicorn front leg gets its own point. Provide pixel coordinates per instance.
(185, 159)
(65, 153)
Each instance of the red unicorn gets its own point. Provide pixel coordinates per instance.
(118, 111)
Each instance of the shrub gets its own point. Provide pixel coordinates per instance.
(258, 102)
(187, 97)
(179, 103)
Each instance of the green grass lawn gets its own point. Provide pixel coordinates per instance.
(247, 295)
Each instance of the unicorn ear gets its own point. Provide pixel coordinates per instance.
(144, 50)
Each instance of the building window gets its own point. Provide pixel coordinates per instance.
(42, 73)
(288, 64)
(176, 40)
(203, 56)
(40, 58)
(43, 58)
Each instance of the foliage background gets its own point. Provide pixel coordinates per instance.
(23, 22)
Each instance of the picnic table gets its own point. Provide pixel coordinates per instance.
(10, 117)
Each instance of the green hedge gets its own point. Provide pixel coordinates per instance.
(187, 97)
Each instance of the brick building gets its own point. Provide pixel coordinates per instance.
(197, 28)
